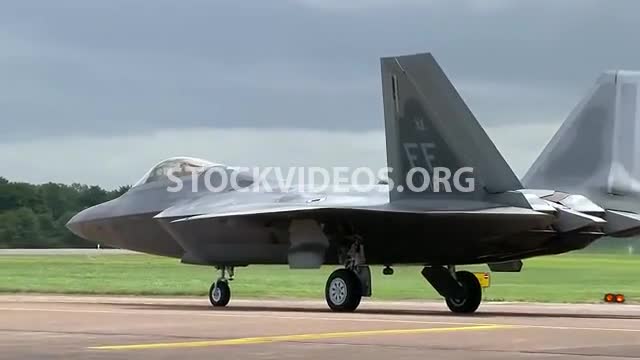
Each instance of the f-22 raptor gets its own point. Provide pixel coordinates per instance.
(583, 186)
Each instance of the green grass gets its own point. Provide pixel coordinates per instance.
(564, 278)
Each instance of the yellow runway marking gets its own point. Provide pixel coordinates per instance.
(262, 315)
(232, 314)
(297, 337)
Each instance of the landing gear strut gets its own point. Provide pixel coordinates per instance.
(346, 287)
(220, 292)
(461, 289)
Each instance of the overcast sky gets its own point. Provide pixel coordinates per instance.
(99, 91)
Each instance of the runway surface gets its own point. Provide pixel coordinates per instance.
(69, 327)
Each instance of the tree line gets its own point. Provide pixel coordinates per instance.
(34, 216)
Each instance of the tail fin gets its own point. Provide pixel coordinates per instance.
(429, 126)
(595, 151)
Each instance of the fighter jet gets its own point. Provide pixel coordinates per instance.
(583, 186)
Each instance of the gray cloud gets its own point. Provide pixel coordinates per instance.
(129, 69)
(116, 160)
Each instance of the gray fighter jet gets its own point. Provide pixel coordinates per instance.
(584, 185)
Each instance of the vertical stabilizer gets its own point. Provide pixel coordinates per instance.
(428, 125)
(595, 151)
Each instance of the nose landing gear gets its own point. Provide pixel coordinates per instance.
(220, 292)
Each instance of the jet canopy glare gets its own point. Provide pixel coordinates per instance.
(179, 166)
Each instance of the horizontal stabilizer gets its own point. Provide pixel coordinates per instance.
(622, 223)
(571, 220)
(581, 204)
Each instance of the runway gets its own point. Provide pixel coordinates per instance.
(70, 327)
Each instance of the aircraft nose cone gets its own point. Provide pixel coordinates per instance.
(75, 224)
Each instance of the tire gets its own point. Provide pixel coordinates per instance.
(343, 291)
(473, 294)
(219, 293)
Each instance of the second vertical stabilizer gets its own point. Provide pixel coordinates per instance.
(595, 151)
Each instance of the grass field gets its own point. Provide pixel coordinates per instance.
(564, 278)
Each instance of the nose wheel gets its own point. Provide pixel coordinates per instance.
(220, 292)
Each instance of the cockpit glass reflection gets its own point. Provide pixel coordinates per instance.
(179, 167)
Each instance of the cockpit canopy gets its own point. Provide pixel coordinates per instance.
(178, 166)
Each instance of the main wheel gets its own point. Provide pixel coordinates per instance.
(219, 293)
(473, 294)
(343, 291)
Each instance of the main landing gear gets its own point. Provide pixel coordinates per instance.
(346, 287)
(343, 290)
(220, 292)
(461, 289)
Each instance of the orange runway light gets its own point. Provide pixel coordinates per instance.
(614, 298)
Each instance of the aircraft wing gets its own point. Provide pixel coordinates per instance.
(308, 219)
(254, 209)
(301, 205)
